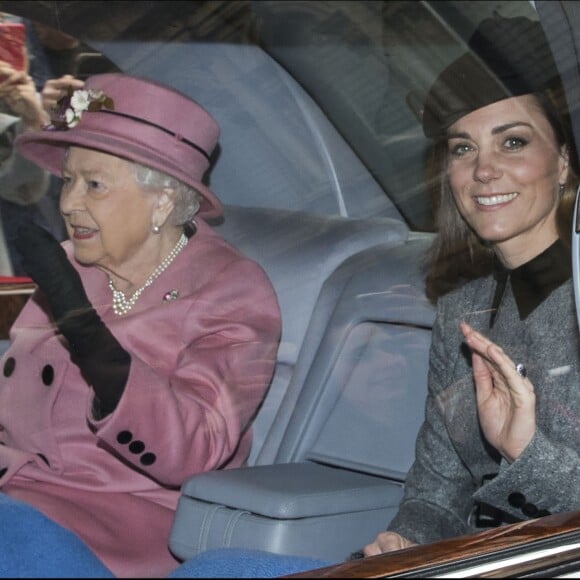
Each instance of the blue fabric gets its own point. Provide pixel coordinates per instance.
(242, 563)
(33, 546)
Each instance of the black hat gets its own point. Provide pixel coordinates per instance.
(507, 57)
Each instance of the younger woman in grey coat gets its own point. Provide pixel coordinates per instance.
(501, 434)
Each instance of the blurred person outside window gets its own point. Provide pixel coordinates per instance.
(27, 192)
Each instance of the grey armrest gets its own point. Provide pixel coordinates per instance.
(293, 508)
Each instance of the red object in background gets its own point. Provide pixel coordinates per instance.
(13, 44)
(15, 280)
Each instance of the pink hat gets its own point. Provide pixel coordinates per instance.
(135, 119)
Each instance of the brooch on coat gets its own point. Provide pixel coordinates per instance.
(171, 295)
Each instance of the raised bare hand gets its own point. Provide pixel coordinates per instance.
(506, 402)
(18, 91)
(55, 89)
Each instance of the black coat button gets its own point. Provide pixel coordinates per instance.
(517, 499)
(148, 458)
(124, 437)
(530, 510)
(137, 447)
(47, 375)
(3, 471)
(9, 366)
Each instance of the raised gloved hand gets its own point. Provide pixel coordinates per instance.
(102, 360)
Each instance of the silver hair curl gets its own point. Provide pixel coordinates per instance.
(187, 200)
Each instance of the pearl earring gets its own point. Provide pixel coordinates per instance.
(156, 229)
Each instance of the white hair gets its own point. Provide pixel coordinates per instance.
(186, 199)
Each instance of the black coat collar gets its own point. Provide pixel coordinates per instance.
(533, 281)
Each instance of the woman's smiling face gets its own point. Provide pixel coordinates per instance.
(504, 168)
(107, 215)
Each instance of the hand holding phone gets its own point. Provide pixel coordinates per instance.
(17, 89)
(55, 89)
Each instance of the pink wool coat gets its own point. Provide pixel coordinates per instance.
(200, 366)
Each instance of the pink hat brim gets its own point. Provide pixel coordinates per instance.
(47, 149)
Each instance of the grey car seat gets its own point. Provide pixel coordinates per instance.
(298, 251)
(340, 445)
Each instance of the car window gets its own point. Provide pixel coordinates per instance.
(319, 99)
(322, 167)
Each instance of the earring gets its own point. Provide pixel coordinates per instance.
(156, 229)
(561, 188)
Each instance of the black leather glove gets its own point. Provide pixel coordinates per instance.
(102, 360)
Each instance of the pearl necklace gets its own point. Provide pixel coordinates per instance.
(122, 304)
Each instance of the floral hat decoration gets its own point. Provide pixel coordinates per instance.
(70, 108)
(135, 119)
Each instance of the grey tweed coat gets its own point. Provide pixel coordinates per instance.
(456, 474)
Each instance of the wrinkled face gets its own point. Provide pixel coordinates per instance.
(504, 169)
(107, 215)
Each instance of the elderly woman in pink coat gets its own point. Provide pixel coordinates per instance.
(146, 350)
